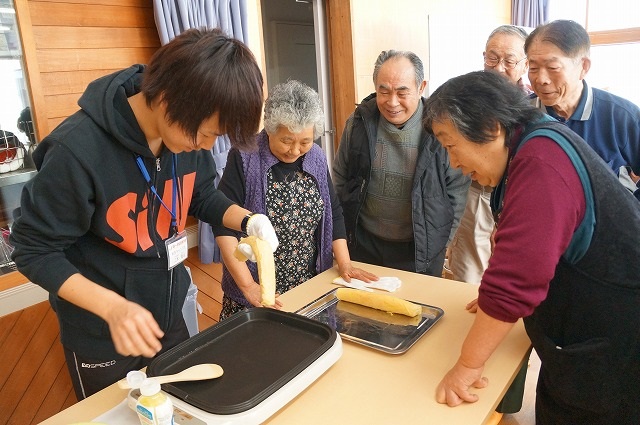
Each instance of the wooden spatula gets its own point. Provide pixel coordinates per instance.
(198, 372)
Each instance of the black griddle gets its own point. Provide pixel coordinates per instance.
(260, 350)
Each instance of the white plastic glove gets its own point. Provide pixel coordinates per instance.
(246, 250)
(260, 226)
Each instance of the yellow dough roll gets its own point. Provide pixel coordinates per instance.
(378, 315)
(382, 302)
(266, 268)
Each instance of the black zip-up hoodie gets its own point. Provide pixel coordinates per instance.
(90, 211)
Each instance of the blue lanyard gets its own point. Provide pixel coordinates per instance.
(145, 174)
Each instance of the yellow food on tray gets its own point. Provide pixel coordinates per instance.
(266, 267)
(365, 312)
(382, 302)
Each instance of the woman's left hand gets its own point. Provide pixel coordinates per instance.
(349, 272)
(472, 306)
(454, 387)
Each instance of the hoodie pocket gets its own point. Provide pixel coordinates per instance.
(79, 318)
(151, 288)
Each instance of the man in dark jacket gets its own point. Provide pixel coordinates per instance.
(402, 200)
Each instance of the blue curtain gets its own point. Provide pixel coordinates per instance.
(529, 13)
(172, 18)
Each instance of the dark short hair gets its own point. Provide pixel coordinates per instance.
(385, 55)
(476, 102)
(568, 36)
(201, 72)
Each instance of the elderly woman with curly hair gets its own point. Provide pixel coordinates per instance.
(287, 179)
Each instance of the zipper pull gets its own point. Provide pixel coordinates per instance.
(158, 164)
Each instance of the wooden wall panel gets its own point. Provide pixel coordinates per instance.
(50, 37)
(62, 105)
(57, 60)
(69, 43)
(89, 14)
(132, 3)
(54, 122)
(65, 82)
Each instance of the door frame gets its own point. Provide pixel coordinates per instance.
(341, 64)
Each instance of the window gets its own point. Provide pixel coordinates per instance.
(614, 29)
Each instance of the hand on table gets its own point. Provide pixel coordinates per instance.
(453, 390)
(349, 272)
(134, 331)
(472, 307)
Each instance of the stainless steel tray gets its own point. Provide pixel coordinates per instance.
(391, 333)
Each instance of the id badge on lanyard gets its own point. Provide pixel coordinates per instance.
(176, 246)
(177, 249)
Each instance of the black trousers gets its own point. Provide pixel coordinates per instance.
(373, 250)
(90, 375)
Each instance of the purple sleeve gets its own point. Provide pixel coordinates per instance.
(543, 205)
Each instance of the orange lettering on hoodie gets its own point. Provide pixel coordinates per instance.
(121, 219)
(134, 229)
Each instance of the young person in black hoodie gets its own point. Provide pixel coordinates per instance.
(101, 225)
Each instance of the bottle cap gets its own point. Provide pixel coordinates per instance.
(149, 387)
(135, 378)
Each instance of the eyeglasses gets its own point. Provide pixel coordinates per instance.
(493, 61)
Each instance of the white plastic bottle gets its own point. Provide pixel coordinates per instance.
(135, 378)
(154, 407)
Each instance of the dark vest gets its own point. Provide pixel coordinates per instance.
(587, 330)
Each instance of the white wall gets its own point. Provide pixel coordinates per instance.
(458, 31)
(448, 35)
(379, 25)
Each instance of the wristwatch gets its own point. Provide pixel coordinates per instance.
(245, 221)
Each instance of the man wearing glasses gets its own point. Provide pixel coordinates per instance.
(504, 53)
(471, 247)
